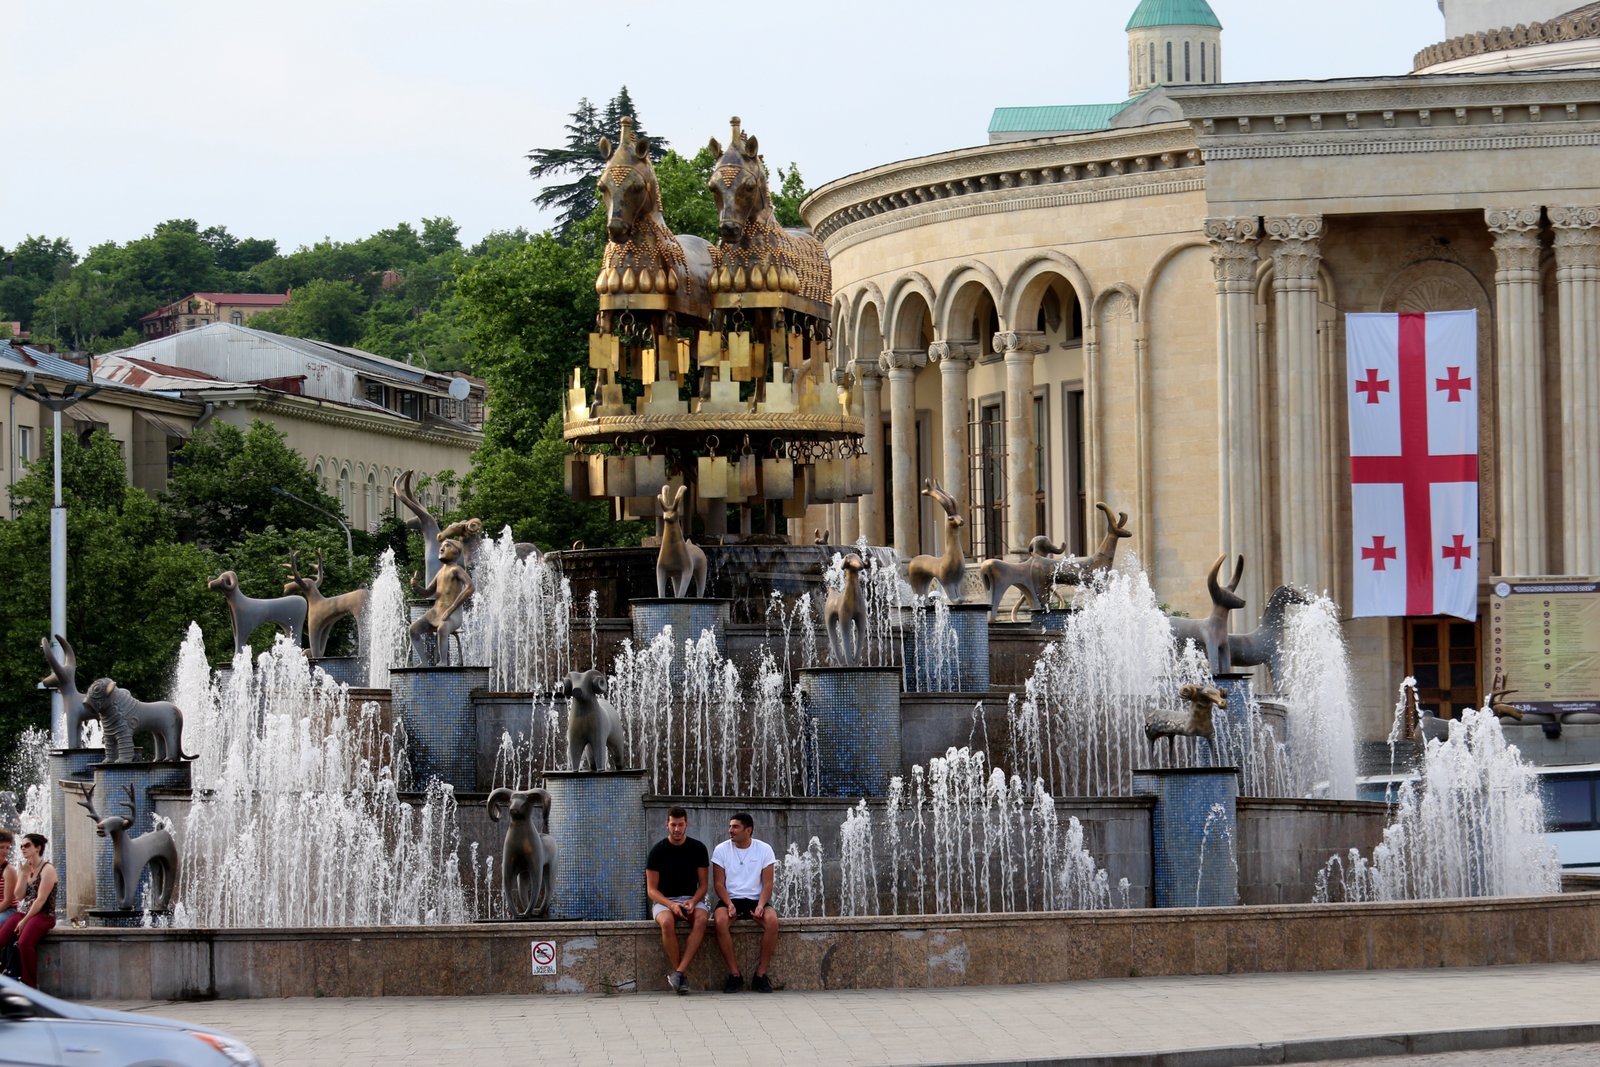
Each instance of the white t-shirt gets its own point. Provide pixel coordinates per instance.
(742, 867)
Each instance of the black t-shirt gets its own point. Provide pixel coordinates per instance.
(678, 866)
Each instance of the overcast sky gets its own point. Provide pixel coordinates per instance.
(303, 119)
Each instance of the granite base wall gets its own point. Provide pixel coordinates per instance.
(1283, 844)
(870, 953)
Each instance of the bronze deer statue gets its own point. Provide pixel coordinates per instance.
(680, 563)
(287, 613)
(1037, 574)
(1211, 632)
(946, 568)
(130, 856)
(1202, 700)
(844, 616)
(64, 677)
(323, 611)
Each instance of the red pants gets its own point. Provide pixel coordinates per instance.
(27, 941)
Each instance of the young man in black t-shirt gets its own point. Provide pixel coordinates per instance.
(676, 878)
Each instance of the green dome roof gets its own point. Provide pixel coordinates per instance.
(1173, 13)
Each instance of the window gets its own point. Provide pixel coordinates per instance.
(372, 500)
(237, 318)
(1077, 505)
(410, 406)
(344, 489)
(322, 479)
(1443, 657)
(1041, 461)
(1169, 61)
(1202, 61)
(990, 539)
(1150, 74)
(24, 445)
(1187, 76)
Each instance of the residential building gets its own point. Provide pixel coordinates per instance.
(203, 309)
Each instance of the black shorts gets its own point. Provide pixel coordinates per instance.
(743, 907)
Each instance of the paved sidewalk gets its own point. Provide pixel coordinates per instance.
(1242, 1018)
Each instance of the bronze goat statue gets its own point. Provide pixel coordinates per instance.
(680, 563)
(1202, 700)
(948, 567)
(323, 611)
(1037, 575)
(844, 616)
(592, 723)
(130, 856)
(287, 613)
(1211, 632)
(527, 859)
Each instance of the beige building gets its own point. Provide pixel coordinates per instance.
(203, 309)
(1145, 306)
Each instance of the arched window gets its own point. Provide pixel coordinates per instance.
(1188, 76)
(372, 500)
(1150, 74)
(237, 318)
(1202, 61)
(344, 489)
(317, 473)
(1169, 62)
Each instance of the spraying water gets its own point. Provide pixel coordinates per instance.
(519, 621)
(1317, 685)
(384, 625)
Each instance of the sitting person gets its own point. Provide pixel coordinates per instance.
(36, 912)
(676, 881)
(742, 870)
(10, 877)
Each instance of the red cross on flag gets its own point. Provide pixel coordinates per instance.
(1412, 388)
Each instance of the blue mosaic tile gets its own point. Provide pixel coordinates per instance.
(350, 670)
(688, 618)
(65, 763)
(857, 712)
(1193, 851)
(597, 821)
(111, 784)
(970, 623)
(441, 721)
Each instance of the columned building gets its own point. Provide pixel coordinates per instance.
(1143, 304)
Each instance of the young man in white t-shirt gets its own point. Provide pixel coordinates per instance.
(741, 873)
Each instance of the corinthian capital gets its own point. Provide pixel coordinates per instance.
(1516, 236)
(1512, 220)
(864, 369)
(1298, 249)
(841, 374)
(1021, 342)
(1577, 231)
(956, 355)
(902, 359)
(1234, 249)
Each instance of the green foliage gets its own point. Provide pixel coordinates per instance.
(323, 309)
(259, 560)
(787, 196)
(526, 491)
(27, 270)
(221, 488)
(685, 204)
(580, 157)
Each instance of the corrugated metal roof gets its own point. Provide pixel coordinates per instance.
(40, 360)
(1173, 13)
(1063, 118)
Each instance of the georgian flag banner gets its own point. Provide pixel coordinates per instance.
(1413, 397)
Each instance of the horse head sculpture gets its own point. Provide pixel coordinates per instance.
(642, 256)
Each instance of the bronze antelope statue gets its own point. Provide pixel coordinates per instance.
(1037, 574)
(287, 613)
(1211, 632)
(1264, 644)
(64, 677)
(844, 616)
(642, 256)
(422, 521)
(1497, 695)
(680, 563)
(1202, 700)
(130, 856)
(528, 856)
(757, 254)
(946, 568)
(323, 611)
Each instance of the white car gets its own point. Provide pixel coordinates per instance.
(36, 1029)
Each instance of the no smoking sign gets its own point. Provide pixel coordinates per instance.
(544, 957)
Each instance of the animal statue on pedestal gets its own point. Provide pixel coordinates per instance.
(1497, 695)
(1211, 632)
(1202, 699)
(844, 617)
(63, 676)
(130, 856)
(528, 857)
(422, 521)
(287, 613)
(449, 590)
(323, 611)
(642, 256)
(122, 715)
(593, 725)
(1037, 574)
(680, 563)
(1264, 644)
(946, 568)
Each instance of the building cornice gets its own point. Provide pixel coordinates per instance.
(1004, 177)
(1577, 25)
(310, 409)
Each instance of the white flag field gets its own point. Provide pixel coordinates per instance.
(1413, 398)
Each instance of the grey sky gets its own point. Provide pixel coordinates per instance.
(299, 119)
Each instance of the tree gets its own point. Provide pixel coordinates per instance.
(27, 270)
(580, 157)
(787, 197)
(221, 487)
(326, 310)
(685, 204)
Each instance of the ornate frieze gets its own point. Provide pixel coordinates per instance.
(1516, 236)
(1577, 236)
(1297, 252)
(1234, 249)
(1576, 25)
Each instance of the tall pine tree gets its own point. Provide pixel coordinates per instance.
(576, 200)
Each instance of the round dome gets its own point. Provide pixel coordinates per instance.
(1173, 13)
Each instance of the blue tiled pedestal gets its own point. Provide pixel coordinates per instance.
(688, 617)
(350, 670)
(970, 624)
(1193, 832)
(1054, 620)
(441, 721)
(73, 764)
(115, 784)
(857, 711)
(1233, 742)
(597, 821)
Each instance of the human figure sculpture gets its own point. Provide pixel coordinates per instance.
(422, 521)
(1202, 700)
(1264, 644)
(1211, 632)
(680, 562)
(122, 715)
(130, 856)
(946, 568)
(449, 590)
(470, 533)
(593, 725)
(322, 612)
(63, 676)
(844, 616)
(527, 859)
(287, 613)
(1037, 573)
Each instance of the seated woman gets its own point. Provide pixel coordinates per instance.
(36, 912)
(10, 877)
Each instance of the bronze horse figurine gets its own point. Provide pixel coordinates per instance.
(642, 256)
(757, 254)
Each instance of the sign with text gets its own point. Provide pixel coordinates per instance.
(1544, 641)
(544, 957)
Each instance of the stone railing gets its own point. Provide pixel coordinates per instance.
(1579, 25)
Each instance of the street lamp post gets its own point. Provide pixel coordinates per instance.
(35, 391)
(349, 545)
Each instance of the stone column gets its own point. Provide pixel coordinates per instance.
(900, 366)
(1577, 238)
(844, 530)
(955, 361)
(1234, 248)
(870, 507)
(1518, 369)
(1303, 477)
(1020, 346)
